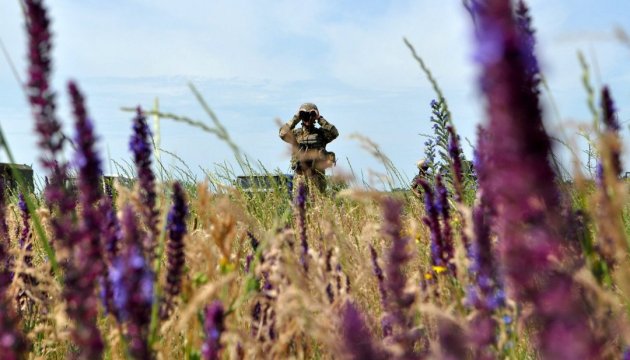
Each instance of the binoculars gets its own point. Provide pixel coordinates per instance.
(306, 115)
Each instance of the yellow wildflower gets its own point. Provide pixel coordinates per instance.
(439, 269)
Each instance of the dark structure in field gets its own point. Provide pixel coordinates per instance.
(25, 173)
(265, 183)
(107, 184)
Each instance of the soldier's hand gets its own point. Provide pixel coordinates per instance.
(296, 120)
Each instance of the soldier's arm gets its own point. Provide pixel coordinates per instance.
(286, 131)
(329, 130)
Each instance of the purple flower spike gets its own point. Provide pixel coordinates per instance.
(86, 263)
(26, 244)
(42, 100)
(399, 301)
(358, 343)
(141, 147)
(26, 225)
(447, 233)
(300, 203)
(110, 229)
(87, 160)
(132, 278)
(378, 272)
(608, 110)
(452, 340)
(254, 243)
(50, 138)
(486, 293)
(519, 184)
(214, 327)
(13, 344)
(176, 226)
(483, 268)
(528, 43)
(41, 96)
(432, 220)
(111, 236)
(455, 153)
(612, 126)
(398, 254)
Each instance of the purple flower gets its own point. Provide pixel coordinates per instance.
(455, 153)
(609, 111)
(41, 96)
(609, 117)
(25, 235)
(42, 100)
(254, 243)
(13, 344)
(110, 228)
(214, 327)
(26, 244)
(300, 203)
(378, 272)
(452, 340)
(479, 154)
(176, 226)
(447, 233)
(399, 300)
(488, 290)
(132, 279)
(86, 159)
(485, 294)
(518, 181)
(140, 145)
(398, 255)
(86, 262)
(111, 235)
(432, 220)
(26, 226)
(528, 43)
(357, 342)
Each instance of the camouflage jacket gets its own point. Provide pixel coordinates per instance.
(309, 145)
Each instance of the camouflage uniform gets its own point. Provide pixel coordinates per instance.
(310, 159)
(423, 172)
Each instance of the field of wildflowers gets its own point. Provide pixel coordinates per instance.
(503, 259)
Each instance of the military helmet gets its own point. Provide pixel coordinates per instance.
(309, 108)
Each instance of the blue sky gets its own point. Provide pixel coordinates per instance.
(255, 62)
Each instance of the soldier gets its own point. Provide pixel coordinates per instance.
(309, 156)
(423, 171)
